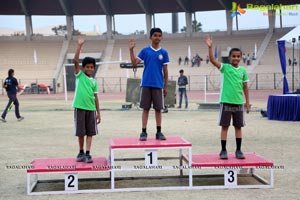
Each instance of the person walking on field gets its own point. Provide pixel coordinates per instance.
(11, 86)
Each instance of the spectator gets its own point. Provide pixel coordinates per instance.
(186, 61)
(248, 59)
(179, 60)
(182, 82)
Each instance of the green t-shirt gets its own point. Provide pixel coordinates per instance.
(85, 89)
(232, 80)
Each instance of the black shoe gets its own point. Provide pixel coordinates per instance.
(143, 136)
(80, 157)
(223, 155)
(160, 136)
(165, 110)
(88, 159)
(239, 154)
(20, 119)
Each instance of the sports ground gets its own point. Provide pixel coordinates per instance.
(47, 132)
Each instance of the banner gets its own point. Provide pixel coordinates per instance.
(216, 52)
(34, 57)
(281, 51)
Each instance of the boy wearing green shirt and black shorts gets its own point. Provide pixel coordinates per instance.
(234, 80)
(86, 104)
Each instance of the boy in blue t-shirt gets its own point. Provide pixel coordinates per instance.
(154, 85)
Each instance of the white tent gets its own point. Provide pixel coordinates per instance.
(295, 33)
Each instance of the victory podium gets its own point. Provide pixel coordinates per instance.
(151, 165)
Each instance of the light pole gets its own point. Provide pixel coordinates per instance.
(293, 63)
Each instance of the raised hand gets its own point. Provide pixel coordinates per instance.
(131, 44)
(208, 40)
(80, 41)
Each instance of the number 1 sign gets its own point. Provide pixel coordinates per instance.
(151, 157)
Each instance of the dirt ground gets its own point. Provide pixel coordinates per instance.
(47, 132)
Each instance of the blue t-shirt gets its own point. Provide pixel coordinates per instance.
(154, 59)
(11, 84)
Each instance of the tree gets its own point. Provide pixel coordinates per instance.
(196, 27)
(137, 32)
(62, 30)
(113, 32)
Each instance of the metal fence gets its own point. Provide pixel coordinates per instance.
(257, 81)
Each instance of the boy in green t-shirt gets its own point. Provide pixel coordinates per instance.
(234, 80)
(86, 104)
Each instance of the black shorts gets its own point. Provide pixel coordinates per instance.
(150, 95)
(85, 122)
(236, 111)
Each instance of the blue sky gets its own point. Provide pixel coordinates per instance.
(211, 21)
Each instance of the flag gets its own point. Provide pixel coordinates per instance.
(216, 52)
(255, 51)
(34, 57)
(120, 55)
(189, 53)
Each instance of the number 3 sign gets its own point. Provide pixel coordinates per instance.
(230, 178)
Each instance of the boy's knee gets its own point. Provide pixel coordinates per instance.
(225, 127)
(158, 110)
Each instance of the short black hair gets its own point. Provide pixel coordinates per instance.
(153, 30)
(88, 60)
(10, 72)
(181, 71)
(234, 49)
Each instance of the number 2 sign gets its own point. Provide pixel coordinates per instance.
(71, 181)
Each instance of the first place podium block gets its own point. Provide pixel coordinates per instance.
(151, 157)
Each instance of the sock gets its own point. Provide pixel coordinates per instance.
(87, 153)
(223, 144)
(158, 128)
(81, 151)
(144, 130)
(238, 143)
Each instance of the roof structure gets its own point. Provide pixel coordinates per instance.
(115, 7)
